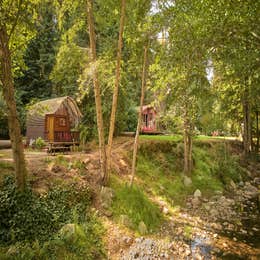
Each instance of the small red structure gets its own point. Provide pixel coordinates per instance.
(149, 120)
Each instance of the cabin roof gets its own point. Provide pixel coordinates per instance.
(38, 111)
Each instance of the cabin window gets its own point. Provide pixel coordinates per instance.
(62, 122)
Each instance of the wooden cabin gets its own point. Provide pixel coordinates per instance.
(53, 120)
(149, 124)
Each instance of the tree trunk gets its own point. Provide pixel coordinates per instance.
(101, 139)
(115, 94)
(13, 122)
(187, 138)
(257, 132)
(247, 139)
(136, 142)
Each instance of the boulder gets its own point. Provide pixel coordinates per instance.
(106, 196)
(68, 230)
(142, 228)
(197, 193)
(187, 181)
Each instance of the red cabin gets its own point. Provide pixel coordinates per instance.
(149, 120)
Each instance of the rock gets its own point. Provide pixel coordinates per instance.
(165, 211)
(233, 185)
(197, 193)
(106, 196)
(187, 181)
(68, 230)
(142, 228)
(86, 161)
(250, 190)
(108, 213)
(241, 184)
(125, 220)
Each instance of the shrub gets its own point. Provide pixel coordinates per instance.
(39, 143)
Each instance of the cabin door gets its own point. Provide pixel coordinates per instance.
(50, 128)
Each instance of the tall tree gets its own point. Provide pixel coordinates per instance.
(39, 57)
(117, 82)
(92, 37)
(136, 142)
(12, 23)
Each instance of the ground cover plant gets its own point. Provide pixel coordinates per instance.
(50, 226)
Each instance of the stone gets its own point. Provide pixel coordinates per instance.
(197, 193)
(233, 185)
(108, 213)
(142, 228)
(187, 181)
(68, 230)
(106, 196)
(165, 211)
(250, 190)
(86, 161)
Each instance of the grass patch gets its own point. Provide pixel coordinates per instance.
(162, 179)
(170, 138)
(133, 202)
(160, 165)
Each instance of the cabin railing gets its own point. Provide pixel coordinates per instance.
(66, 136)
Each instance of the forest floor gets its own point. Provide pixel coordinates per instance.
(222, 226)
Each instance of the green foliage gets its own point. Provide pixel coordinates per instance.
(227, 166)
(131, 201)
(27, 216)
(84, 242)
(160, 164)
(161, 137)
(39, 143)
(39, 56)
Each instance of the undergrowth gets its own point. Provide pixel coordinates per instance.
(30, 225)
(159, 169)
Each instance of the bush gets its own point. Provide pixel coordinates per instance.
(39, 143)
